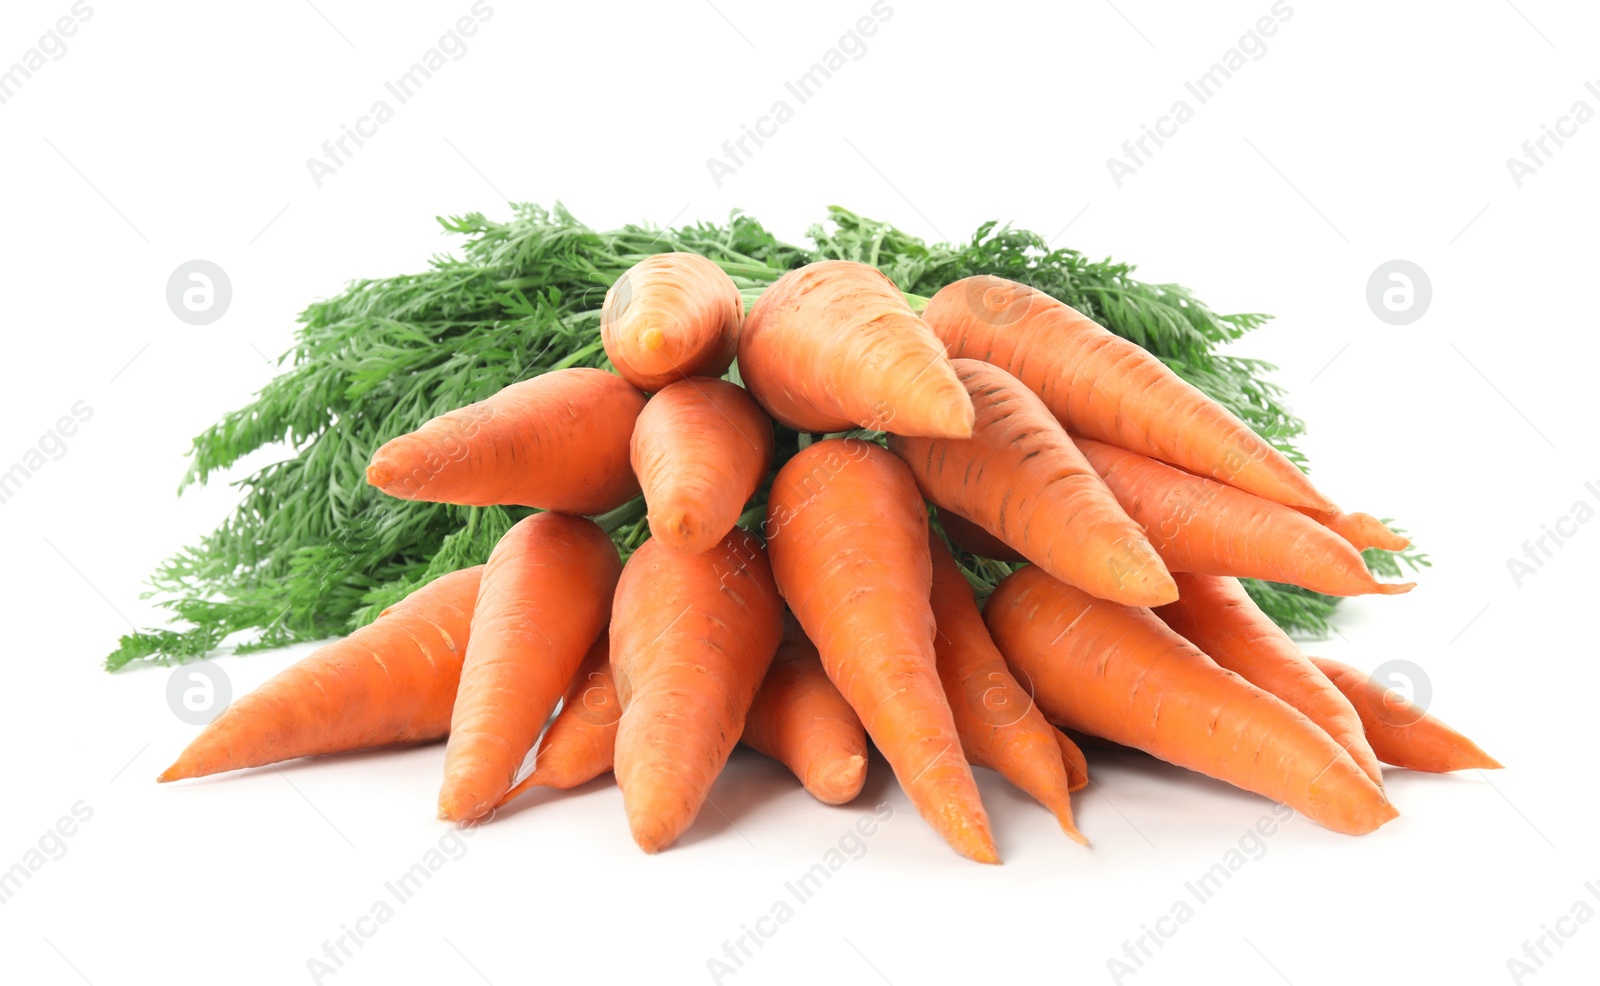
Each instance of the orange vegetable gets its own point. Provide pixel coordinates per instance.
(1402, 733)
(392, 681)
(700, 449)
(558, 441)
(691, 638)
(1363, 531)
(1077, 764)
(969, 537)
(848, 535)
(579, 743)
(1021, 479)
(1118, 672)
(671, 316)
(833, 345)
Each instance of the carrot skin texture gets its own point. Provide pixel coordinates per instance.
(544, 597)
(998, 723)
(1218, 616)
(1076, 763)
(1118, 672)
(691, 638)
(392, 681)
(848, 536)
(558, 441)
(833, 345)
(700, 448)
(1108, 388)
(671, 316)
(1363, 531)
(1021, 478)
(1401, 733)
(1199, 525)
(800, 719)
(971, 538)
(579, 743)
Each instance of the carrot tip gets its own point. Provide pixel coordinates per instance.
(653, 338)
(1395, 588)
(839, 781)
(379, 475)
(1073, 833)
(172, 774)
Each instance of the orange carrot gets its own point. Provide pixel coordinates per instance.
(834, 345)
(671, 316)
(1118, 672)
(969, 537)
(1105, 387)
(578, 745)
(1217, 615)
(1401, 733)
(545, 596)
(1020, 478)
(700, 449)
(691, 637)
(1076, 763)
(1202, 526)
(848, 535)
(558, 441)
(1363, 531)
(998, 723)
(392, 681)
(801, 720)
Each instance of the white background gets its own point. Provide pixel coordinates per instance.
(1366, 132)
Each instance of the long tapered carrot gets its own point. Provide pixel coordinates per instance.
(558, 441)
(1105, 387)
(671, 316)
(545, 596)
(834, 345)
(1076, 763)
(1400, 732)
(1363, 531)
(578, 745)
(1020, 478)
(691, 637)
(392, 681)
(968, 536)
(999, 725)
(1118, 672)
(848, 535)
(1202, 526)
(700, 448)
(800, 719)
(1216, 615)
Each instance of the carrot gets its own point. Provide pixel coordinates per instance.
(1217, 615)
(392, 681)
(801, 720)
(1105, 387)
(545, 596)
(969, 537)
(577, 747)
(691, 637)
(834, 345)
(1076, 763)
(700, 448)
(998, 723)
(1363, 531)
(558, 441)
(1118, 672)
(1020, 478)
(671, 316)
(1203, 526)
(848, 535)
(1401, 733)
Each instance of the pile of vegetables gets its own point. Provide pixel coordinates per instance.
(771, 515)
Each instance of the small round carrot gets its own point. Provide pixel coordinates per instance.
(671, 316)
(700, 448)
(579, 743)
(1118, 672)
(691, 638)
(1021, 478)
(969, 537)
(1402, 733)
(848, 534)
(558, 441)
(833, 345)
(801, 720)
(392, 681)
(545, 595)
(1363, 531)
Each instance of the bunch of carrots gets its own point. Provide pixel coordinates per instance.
(833, 611)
